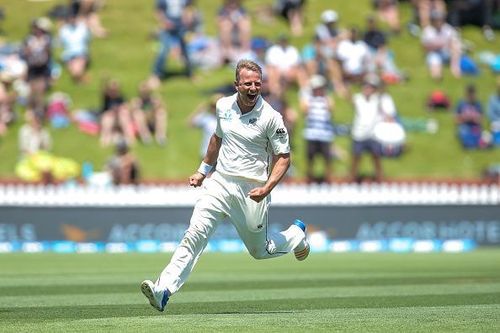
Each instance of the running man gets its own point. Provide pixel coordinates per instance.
(250, 139)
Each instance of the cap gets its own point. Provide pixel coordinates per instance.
(317, 81)
(43, 23)
(329, 16)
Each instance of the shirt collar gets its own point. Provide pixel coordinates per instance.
(257, 108)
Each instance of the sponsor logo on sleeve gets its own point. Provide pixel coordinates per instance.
(281, 132)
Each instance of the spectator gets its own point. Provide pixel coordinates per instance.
(283, 66)
(33, 137)
(388, 12)
(234, 27)
(114, 115)
(318, 131)
(37, 52)
(7, 101)
(389, 133)
(354, 56)
(88, 11)
(327, 33)
(204, 118)
(123, 165)
(424, 8)
(494, 114)
(327, 36)
(149, 115)
(469, 116)
(74, 37)
(370, 108)
(293, 12)
(442, 45)
(381, 58)
(36, 162)
(171, 15)
(257, 53)
(317, 61)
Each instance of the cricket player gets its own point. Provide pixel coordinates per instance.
(250, 139)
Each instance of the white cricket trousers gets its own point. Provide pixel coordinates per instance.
(226, 196)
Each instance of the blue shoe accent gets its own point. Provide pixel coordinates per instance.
(164, 300)
(300, 224)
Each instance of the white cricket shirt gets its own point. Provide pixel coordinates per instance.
(249, 140)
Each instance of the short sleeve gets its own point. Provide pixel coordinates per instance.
(218, 129)
(278, 135)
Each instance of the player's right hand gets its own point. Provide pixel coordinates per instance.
(196, 179)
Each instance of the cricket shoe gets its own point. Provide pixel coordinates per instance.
(302, 250)
(158, 300)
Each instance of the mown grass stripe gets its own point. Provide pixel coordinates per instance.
(245, 307)
(247, 295)
(243, 285)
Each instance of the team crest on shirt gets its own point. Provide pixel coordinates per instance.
(252, 121)
(226, 114)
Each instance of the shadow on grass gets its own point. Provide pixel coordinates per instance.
(242, 307)
(244, 285)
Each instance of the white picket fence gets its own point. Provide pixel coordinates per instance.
(342, 194)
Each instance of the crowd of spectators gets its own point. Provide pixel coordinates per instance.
(337, 62)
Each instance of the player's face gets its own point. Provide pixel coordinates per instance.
(248, 87)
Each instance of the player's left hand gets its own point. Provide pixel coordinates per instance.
(258, 194)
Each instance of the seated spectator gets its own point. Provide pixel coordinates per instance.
(36, 162)
(257, 53)
(370, 108)
(33, 137)
(327, 32)
(114, 114)
(88, 11)
(442, 45)
(388, 12)
(424, 9)
(382, 59)
(149, 115)
(37, 52)
(494, 114)
(318, 131)
(234, 27)
(204, 118)
(293, 12)
(7, 102)
(74, 37)
(283, 66)
(469, 116)
(354, 57)
(123, 165)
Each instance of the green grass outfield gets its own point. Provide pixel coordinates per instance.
(234, 293)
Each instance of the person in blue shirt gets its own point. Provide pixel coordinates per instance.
(469, 116)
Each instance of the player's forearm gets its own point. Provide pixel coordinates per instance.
(213, 150)
(281, 165)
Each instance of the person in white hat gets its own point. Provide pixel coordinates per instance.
(318, 131)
